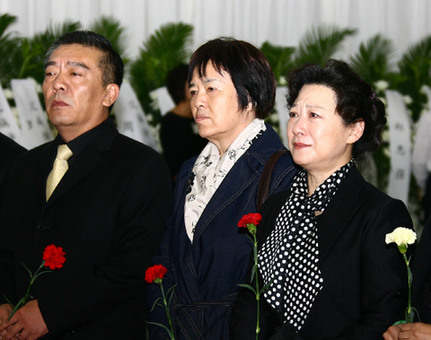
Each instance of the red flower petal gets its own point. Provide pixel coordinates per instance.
(155, 272)
(53, 257)
(252, 218)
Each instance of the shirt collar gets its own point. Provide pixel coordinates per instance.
(78, 144)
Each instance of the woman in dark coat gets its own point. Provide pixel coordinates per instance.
(322, 248)
(232, 89)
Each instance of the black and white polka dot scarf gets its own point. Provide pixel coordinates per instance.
(289, 258)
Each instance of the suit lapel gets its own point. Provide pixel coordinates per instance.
(85, 163)
(244, 173)
(340, 211)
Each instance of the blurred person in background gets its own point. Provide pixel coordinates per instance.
(179, 139)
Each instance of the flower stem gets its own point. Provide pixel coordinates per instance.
(168, 315)
(409, 314)
(257, 286)
(26, 296)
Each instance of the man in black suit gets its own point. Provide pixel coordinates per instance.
(107, 211)
(9, 150)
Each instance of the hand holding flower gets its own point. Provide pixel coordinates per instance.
(53, 258)
(27, 323)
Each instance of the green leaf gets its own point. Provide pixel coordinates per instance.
(10, 61)
(155, 303)
(30, 274)
(33, 50)
(5, 21)
(253, 273)
(417, 313)
(170, 294)
(279, 57)
(112, 30)
(373, 60)
(165, 49)
(320, 44)
(171, 336)
(248, 287)
(414, 72)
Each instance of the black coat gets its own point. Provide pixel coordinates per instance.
(9, 150)
(207, 271)
(364, 279)
(108, 214)
(422, 275)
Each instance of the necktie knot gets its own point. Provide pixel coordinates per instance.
(63, 152)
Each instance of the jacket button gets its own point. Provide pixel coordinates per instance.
(42, 227)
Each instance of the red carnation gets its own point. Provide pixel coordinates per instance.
(53, 257)
(252, 218)
(154, 273)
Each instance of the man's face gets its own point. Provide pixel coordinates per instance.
(75, 98)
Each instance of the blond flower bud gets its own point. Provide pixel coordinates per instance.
(401, 236)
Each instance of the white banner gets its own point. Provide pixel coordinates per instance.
(421, 158)
(34, 124)
(8, 121)
(400, 146)
(282, 111)
(163, 99)
(131, 120)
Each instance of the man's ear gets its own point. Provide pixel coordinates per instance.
(356, 131)
(112, 91)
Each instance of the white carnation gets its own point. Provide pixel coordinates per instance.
(425, 89)
(401, 236)
(407, 99)
(8, 93)
(381, 85)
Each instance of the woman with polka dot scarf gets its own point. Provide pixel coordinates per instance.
(322, 251)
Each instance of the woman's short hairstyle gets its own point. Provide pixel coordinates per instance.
(356, 100)
(248, 68)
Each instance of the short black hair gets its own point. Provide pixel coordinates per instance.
(356, 99)
(247, 66)
(111, 63)
(176, 81)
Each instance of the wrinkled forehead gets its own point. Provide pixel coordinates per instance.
(75, 53)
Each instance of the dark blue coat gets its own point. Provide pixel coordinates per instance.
(207, 271)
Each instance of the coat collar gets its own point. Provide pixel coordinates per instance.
(331, 224)
(336, 218)
(245, 173)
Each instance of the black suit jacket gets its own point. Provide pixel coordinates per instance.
(422, 275)
(108, 215)
(9, 150)
(363, 277)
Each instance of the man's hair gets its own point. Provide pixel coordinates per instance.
(176, 81)
(110, 63)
